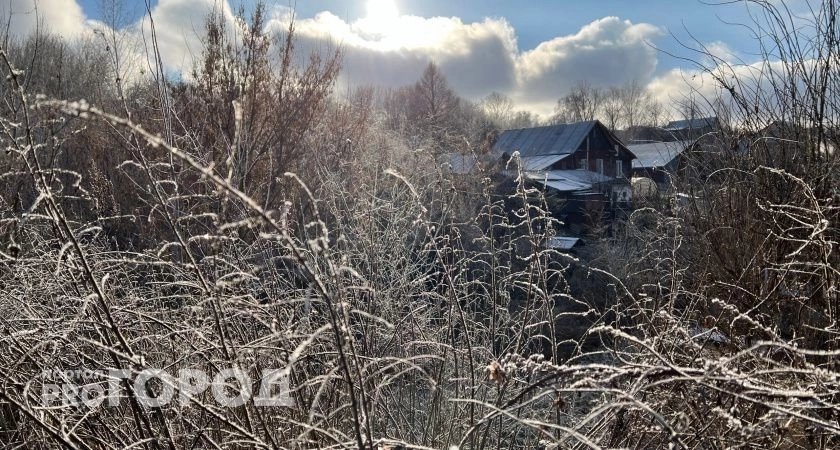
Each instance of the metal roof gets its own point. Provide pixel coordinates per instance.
(582, 176)
(562, 139)
(568, 180)
(566, 185)
(460, 164)
(656, 154)
(561, 242)
(699, 333)
(696, 123)
(529, 163)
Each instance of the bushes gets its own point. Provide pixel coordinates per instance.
(408, 308)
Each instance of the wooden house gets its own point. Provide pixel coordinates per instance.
(583, 163)
(658, 161)
(692, 128)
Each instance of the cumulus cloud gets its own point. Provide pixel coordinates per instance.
(477, 58)
(61, 17)
(606, 52)
(65, 18)
(482, 57)
(393, 49)
(756, 85)
(179, 27)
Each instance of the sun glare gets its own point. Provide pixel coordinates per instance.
(382, 13)
(386, 28)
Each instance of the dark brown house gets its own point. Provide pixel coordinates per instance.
(586, 155)
(572, 146)
(583, 163)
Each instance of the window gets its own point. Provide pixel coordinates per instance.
(584, 164)
(619, 168)
(599, 166)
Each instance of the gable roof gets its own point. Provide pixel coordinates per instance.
(692, 124)
(562, 139)
(656, 154)
(562, 242)
(568, 180)
(529, 163)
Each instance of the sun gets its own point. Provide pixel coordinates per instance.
(382, 13)
(385, 27)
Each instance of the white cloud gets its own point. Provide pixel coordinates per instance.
(757, 85)
(62, 17)
(477, 58)
(718, 52)
(65, 18)
(482, 57)
(391, 49)
(180, 29)
(606, 52)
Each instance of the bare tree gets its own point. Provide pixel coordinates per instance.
(434, 108)
(613, 108)
(638, 105)
(401, 317)
(523, 119)
(251, 116)
(584, 102)
(499, 109)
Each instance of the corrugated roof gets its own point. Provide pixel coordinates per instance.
(582, 176)
(562, 139)
(568, 180)
(459, 163)
(697, 123)
(566, 185)
(561, 242)
(539, 162)
(656, 154)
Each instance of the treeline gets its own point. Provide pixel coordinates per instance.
(248, 109)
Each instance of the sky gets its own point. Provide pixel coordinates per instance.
(532, 51)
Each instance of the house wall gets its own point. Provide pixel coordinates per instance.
(599, 147)
(579, 211)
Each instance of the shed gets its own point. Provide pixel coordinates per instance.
(695, 123)
(658, 160)
(563, 243)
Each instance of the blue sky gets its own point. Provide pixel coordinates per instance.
(533, 51)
